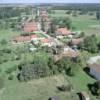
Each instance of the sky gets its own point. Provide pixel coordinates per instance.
(49, 1)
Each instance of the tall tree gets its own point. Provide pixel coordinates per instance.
(90, 43)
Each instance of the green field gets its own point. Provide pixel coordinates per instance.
(40, 89)
(81, 22)
(80, 81)
(43, 88)
(7, 34)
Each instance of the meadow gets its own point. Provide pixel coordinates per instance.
(40, 89)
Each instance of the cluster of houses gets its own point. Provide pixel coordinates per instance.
(66, 33)
(34, 39)
(29, 27)
(33, 27)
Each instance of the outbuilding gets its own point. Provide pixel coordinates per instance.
(95, 70)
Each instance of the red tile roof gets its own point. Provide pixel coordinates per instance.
(63, 31)
(34, 36)
(45, 40)
(30, 27)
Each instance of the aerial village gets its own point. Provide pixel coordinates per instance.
(33, 34)
(49, 61)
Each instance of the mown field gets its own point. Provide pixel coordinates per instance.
(40, 89)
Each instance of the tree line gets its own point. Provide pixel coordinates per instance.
(88, 7)
(8, 12)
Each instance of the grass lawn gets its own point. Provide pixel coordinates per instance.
(7, 34)
(80, 81)
(40, 89)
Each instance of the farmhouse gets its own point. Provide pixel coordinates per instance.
(63, 32)
(30, 27)
(67, 52)
(95, 70)
(20, 39)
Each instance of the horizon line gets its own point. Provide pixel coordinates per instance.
(50, 3)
